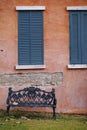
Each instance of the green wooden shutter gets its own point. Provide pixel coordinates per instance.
(75, 48)
(30, 37)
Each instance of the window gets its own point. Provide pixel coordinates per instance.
(78, 37)
(30, 36)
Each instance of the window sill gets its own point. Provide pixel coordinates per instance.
(21, 67)
(77, 66)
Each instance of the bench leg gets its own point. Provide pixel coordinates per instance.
(7, 111)
(54, 113)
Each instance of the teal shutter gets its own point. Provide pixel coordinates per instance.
(84, 36)
(75, 55)
(78, 37)
(30, 37)
(23, 38)
(36, 33)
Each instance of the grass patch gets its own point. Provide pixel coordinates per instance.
(41, 121)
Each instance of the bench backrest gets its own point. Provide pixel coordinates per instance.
(31, 96)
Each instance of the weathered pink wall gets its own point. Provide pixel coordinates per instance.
(72, 92)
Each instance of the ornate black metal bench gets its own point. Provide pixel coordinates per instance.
(31, 97)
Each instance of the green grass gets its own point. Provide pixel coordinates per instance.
(42, 121)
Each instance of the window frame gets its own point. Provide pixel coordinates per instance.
(30, 8)
(77, 8)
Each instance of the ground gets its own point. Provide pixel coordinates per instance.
(41, 121)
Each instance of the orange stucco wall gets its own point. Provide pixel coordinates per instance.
(72, 92)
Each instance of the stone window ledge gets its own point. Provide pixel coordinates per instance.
(77, 66)
(21, 67)
(30, 7)
(76, 7)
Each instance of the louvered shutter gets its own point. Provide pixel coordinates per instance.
(84, 36)
(75, 48)
(30, 37)
(23, 38)
(36, 33)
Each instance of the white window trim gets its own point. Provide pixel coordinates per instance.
(21, 67)
(77, 66)
(30, 7)
(76, 7)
